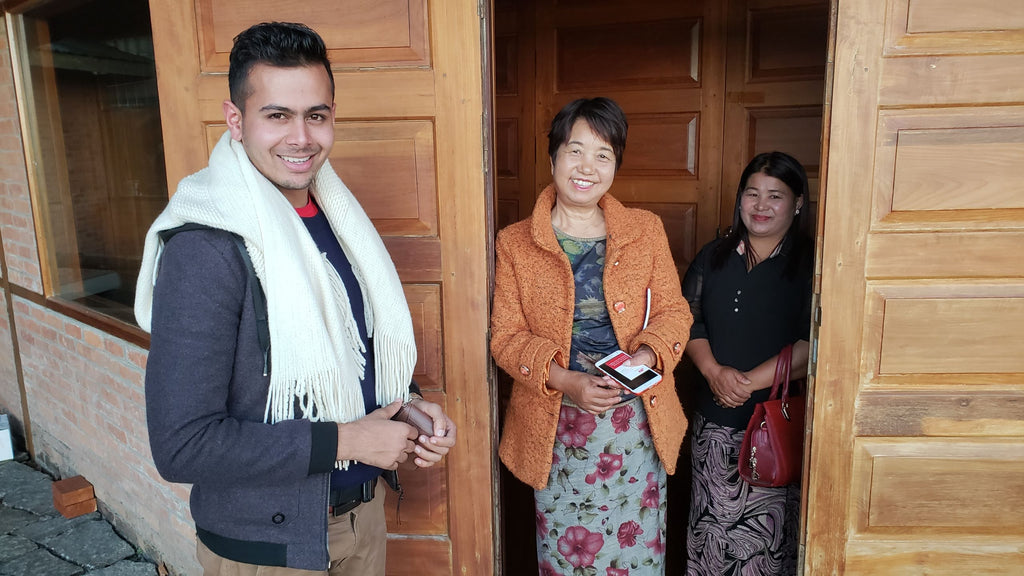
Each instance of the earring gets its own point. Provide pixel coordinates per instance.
(797, 211)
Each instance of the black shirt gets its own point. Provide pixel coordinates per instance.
(320, 229)
(747, 317)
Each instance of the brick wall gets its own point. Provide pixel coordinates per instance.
(86, 397)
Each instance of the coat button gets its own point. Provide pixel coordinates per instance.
(654, 401)
(616, 263)
(676, 346)
(620, 307)
(524, 370)
(278, 518)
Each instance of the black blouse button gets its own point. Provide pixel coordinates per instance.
(278, 518)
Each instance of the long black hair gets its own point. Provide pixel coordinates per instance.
(787, 169)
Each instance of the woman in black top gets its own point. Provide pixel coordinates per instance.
(750, 295)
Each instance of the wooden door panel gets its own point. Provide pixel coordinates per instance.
(983, 558)
(941, 27)
(786, 41)
(971, 487)
(793, 129)
(920, 386)
(607, 56)
(361, 32)
(389, 166)
(408, 83)
(960, 79)
(951, 412)
(982, 254)
(952, 335)
(425, 308)
(912, 493)
(662, 145)
(419, 557)
(933, 332)
(959, 160)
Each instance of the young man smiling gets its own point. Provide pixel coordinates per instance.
(284, 443)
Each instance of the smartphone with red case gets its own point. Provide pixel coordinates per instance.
(636, 379)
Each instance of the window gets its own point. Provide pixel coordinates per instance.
(88, 94)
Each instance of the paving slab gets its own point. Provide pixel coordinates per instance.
(91, 544)
(26, 489)
(12, 519)
(13, 547)
(39, 563)
(35, 540)
(48, 528)
(11, 473)
(126, 568)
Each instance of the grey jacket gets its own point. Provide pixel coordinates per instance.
(259, 491)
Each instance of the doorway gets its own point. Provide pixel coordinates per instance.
(706, 85)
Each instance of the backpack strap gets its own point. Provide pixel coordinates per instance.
(259, 299)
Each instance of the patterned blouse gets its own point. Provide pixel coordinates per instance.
(592, 335)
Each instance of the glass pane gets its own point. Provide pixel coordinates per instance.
(95, 146)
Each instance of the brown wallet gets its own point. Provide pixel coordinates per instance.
(416, 418)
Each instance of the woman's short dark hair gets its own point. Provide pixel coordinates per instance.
(603, 116)
(787, 169)
(280, 44)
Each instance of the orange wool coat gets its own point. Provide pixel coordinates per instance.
(531, 325)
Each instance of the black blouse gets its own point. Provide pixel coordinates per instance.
(747, 317)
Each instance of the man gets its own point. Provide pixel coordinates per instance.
(284, 443)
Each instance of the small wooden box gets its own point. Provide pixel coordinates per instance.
(73, 496)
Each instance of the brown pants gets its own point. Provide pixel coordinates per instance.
(356, 541)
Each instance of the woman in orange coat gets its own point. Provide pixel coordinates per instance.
(585, 276)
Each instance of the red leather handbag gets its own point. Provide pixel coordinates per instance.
(772, 449)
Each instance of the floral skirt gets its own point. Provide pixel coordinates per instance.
(735, 528)
(603, 510)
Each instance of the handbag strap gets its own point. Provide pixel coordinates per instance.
(782, 371)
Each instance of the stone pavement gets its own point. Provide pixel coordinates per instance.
(35, 540)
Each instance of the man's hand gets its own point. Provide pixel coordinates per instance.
(430, 450)
(377, 440)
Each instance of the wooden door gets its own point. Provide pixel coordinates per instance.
(917, 447)
(410, 146)
(775, 75)
(663, 62)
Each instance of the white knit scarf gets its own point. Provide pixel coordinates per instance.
(316, 354)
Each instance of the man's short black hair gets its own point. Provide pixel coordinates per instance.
(280, 44)
(603, 116)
